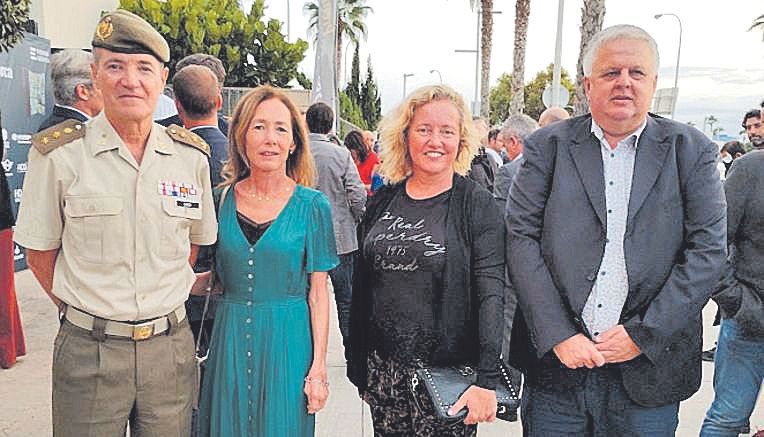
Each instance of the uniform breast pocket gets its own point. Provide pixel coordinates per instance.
(179, 214)
(95, 226)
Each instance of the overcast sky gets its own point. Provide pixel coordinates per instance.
(721, 64)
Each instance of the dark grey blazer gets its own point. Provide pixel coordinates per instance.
(59, 115)
(338, 178)
(503, 180)
(674, 246)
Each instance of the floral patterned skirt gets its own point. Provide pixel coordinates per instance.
(394, 411)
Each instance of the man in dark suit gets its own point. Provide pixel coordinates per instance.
(216, 66)
(198, 99)
(75, 95)
(616, 230)
(514, 131)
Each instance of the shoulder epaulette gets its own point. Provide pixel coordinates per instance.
(58, 135)
(185, 136)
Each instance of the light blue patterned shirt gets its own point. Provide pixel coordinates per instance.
(605, 303)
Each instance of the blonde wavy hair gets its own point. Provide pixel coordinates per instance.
(393, 130)
(299, 166)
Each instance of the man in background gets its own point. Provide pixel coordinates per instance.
(515, 130)
(197, 98)
(76, 97)
(552, 115)
(216, 66)
(338, 178)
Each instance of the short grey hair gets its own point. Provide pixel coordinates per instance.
(520, 126)
(69, 68)
(619, 31)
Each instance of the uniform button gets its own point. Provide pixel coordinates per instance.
(249, 320)
(250, 262)
(250, 276)
(612, 155)
(249, 387)
(248, 336)
(250, 418)
(249, 288)
(609, 211)
(596, 334)
(602, 273)
(249, 370)
(249, 354)
(251, 250)
(611, 182)
(599, 305)
(249, 303)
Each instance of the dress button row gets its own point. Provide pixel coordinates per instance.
(249, 354)
(248, 320)
(250, 276)
(249, 303)
(250, 262)
(251, 250)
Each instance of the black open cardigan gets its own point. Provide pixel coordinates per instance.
(472, 304)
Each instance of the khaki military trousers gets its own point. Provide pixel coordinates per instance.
(100, 383)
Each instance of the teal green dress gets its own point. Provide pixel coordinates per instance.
(261, 347)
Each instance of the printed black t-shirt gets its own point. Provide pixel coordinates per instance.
(407, 249)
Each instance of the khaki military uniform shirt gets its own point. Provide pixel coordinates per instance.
(124, 230)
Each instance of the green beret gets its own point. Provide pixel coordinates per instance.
(124, 32)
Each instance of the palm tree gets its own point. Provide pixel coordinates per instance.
(350, 24)
(758, 23)
(592, 15)
(486, 41)
(522, 12)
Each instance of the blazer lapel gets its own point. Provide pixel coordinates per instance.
(651, 154)
(587, 157)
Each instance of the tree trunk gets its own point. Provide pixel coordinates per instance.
(338, 67)
(592, 16)
(522, 11)
(486, 36)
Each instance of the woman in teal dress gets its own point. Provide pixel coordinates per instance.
(266, 371)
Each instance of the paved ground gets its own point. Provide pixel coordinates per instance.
(25, 388)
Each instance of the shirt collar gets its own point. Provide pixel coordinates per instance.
(632, 139)
(318, 137)
(206, 126)
(72, 108)
(109, 139)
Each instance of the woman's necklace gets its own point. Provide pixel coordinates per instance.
(251, 191)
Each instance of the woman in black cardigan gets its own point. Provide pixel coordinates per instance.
(429, 278)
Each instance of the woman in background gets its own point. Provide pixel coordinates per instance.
(365, 159)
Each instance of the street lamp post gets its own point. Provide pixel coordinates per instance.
(476, 51)
(440, 77)
(405, 76)
(678, 52)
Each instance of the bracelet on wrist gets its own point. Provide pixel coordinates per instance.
(320, 381)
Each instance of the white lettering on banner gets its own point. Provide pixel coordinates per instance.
(6, 73)
(7, 166)
(21, 167)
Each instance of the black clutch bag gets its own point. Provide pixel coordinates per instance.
(436, 389)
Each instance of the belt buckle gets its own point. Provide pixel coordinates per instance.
(142, 332)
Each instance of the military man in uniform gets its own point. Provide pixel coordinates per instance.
(112, 214)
